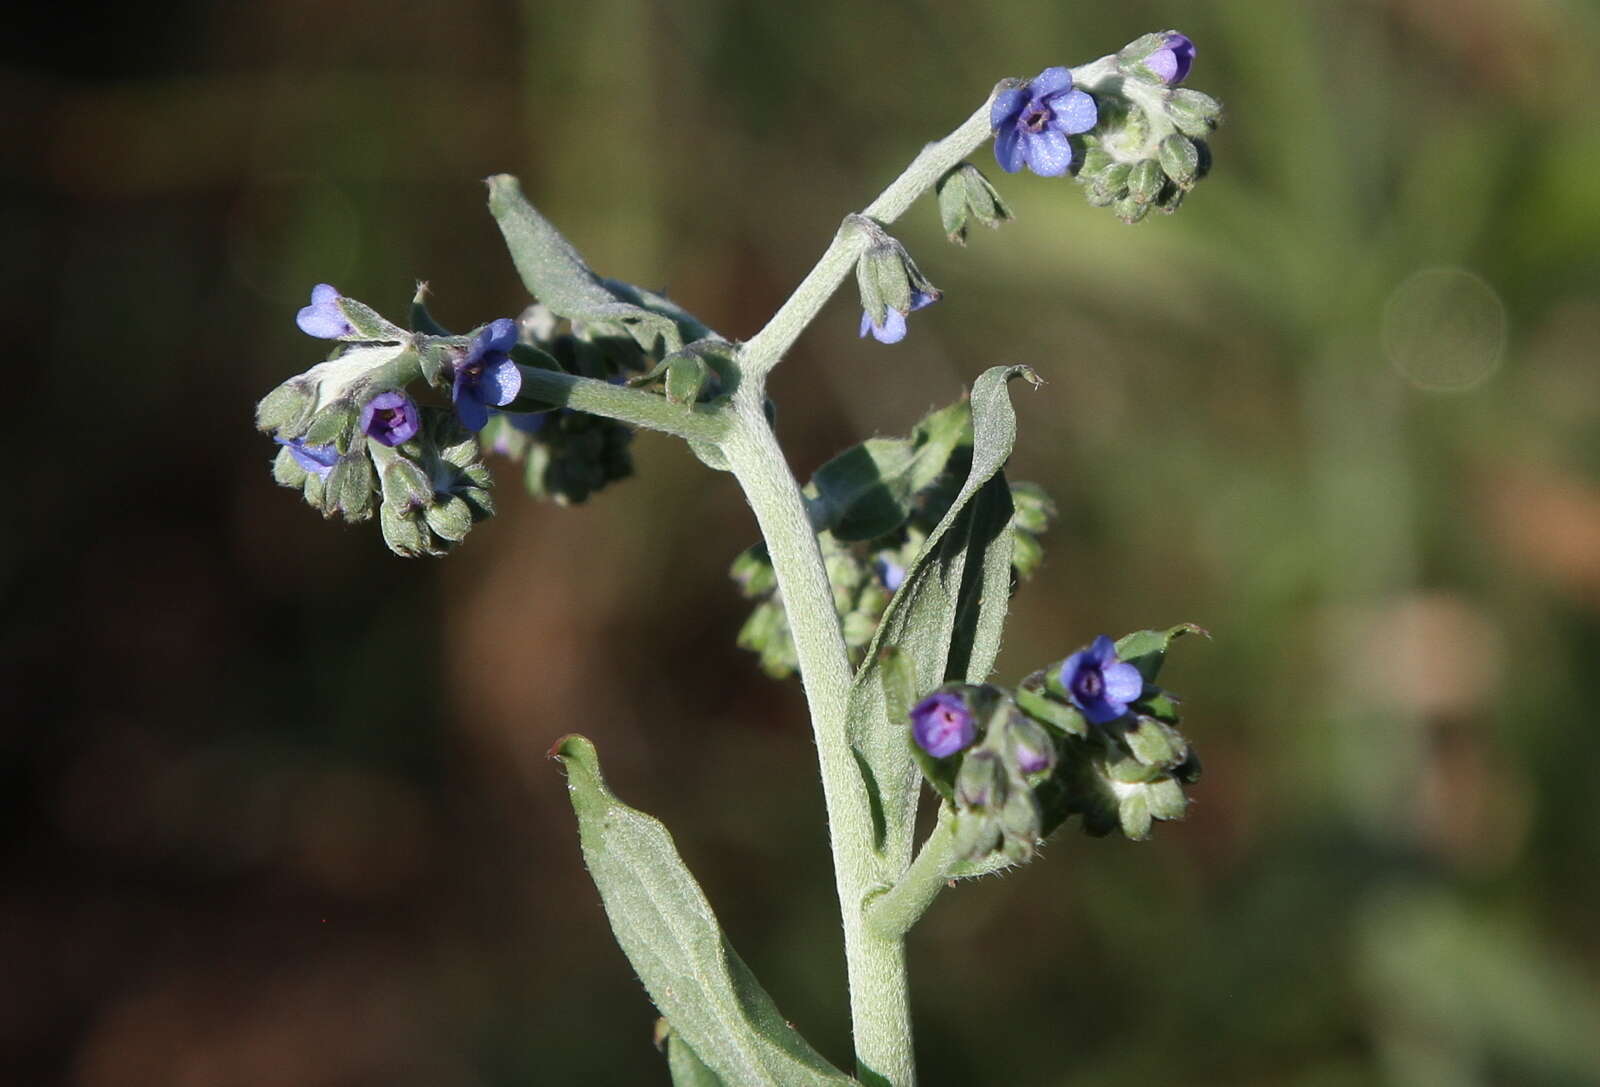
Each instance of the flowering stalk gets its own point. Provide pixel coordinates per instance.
(933, 518)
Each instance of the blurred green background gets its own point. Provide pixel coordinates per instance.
(277, 805)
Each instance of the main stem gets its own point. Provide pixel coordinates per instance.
(880, 1013)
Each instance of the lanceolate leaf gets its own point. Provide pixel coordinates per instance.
(945, 619)
(666, 928)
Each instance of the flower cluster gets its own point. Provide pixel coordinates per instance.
(1091, 735)
(1134, 139)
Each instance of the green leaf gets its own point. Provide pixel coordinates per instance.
(869, 490)
(945, 619)
(666, 928)
(1146, 650)
(687, 1069)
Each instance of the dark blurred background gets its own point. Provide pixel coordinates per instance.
(276, 803)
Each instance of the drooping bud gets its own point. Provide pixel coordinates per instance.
(964, 194)
(890, 282)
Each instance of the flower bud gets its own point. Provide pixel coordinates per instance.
(1180, 160)
(1194, 113)
(1163, 57)
(286, 410)
(943, 724)
(1145, 180)
(1130, 210)
(981, 781)
(687, 377)
(890, 283)
(964, 193)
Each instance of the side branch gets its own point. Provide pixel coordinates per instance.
(767, 347)
(702, 423)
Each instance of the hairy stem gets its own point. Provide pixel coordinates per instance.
(891, 914)
(879, 1009)
(699, 422)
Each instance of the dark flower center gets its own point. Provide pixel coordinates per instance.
(1091, 684)
(1035, 117)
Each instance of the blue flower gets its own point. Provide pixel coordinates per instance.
(1032, 123)
(324, 318)
(893, 329)
(486, 377)
(390, 418)
(1173, 61)
(890, 572)
(318, 460)
(1098, 683)
(942, 724)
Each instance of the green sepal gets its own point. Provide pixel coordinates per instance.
(1194, 113)
(965, 193)
(1180, 160)
(334, 425)
(687, 377)
(1145, 180)
(667, 930)
(1151, 742)
(349, 489)
(1131, 57)
(405, 531)
(286, 410)
(1146, 650)
(1036, 700)
(286, 471)
(421, 320)
(450, 517)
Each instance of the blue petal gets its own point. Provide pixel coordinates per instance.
(471, 411)
(1008, 149)
(501, 383)
(1048, 153)
(924, 298)
(1051, 81)
(1073, 665)
(1124, 684)
(1075, 113)
(866, 323)
(893, 329)
(323, 318)
(1006, 107)
(500, 335)
(1099, 711)
(1102, 651)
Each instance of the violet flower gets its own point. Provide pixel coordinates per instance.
(324, 318)
(1032, 123)
(1173, 61)
(942, 724)
(890, 572)
(390, 418)
(893, 329)
(486, 377)
(1098, 683)
(317, 460)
